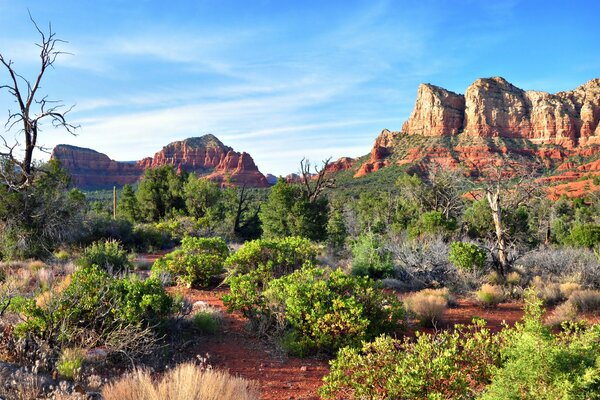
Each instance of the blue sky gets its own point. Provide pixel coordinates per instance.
(285, 79)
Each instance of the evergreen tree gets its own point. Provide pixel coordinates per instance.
(128, 206)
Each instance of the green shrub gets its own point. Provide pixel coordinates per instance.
(450, 365)
(584, 235)
(324, 310)
(541, 366)
(370, 258)
(273, 257)
(467, 256)
(197, 262)
(432, 222)
(255, 264)
(98, 302)
(106, 254)
(69, 363)
(206, 322)
(148, 238)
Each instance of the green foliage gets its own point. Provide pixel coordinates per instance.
(336, 228)
(449, 365)
(202, 197)
(70, 362)
(370, 258)
(584, 235)
(327, 310)
(255, 264)
(160, 193)
(128, 206)
(433, 222)
(197, 262)
(467, 256)
(106, 254)
(539, 365)
(150, 238)
(288, 212)
(97, 301)
(378, 211)
(206, 322)
(36, 219)
(272, 257)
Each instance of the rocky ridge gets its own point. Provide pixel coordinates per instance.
(494, 124)
(204, 155)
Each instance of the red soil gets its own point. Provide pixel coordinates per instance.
(238, 351)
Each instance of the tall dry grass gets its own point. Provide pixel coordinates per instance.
(185, 382)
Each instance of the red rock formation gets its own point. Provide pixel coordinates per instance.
(494, 123)
(341, 164)
(437, 112)
(90, 169)
(204, 155)
(238, 170)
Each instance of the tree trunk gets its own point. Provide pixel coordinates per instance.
(494, 202)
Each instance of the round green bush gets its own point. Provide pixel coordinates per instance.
(467, 256)
(197, 262)
(316, 309)
(106, 254)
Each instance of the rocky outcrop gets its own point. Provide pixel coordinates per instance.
(494, 123)
(437, 112)
(237, 169)
(90, 169)
(493, 107)
(204, 155)
(341, 164)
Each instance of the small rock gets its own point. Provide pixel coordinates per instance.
(304, 368)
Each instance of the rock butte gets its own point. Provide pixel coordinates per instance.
(204, 155)
(493, 123)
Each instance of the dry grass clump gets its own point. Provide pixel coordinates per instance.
(548, 292)
(186, 382)
(565, 312)
(586, 300)
(567, 288)
(490, 295)
(428, 305)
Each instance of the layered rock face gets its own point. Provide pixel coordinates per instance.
(91, 169)
(204, 155)
(494, 123)
(437, 112)
(493, 107)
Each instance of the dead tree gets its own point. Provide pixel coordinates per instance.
(315, 183)
(33, 110)
(504, 186)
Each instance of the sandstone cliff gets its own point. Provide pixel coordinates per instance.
(204, 155)
(494, 123)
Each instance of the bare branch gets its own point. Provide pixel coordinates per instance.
(31, 120)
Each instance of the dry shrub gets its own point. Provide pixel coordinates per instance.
(567, 288)
(490, 295)
(513, 278)
(186, 382)
(428, 305)
(494, 278)
(586, 300)
(548, 292)
(563, 313)
(35, 266)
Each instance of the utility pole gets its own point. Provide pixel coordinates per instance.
(114, 202)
